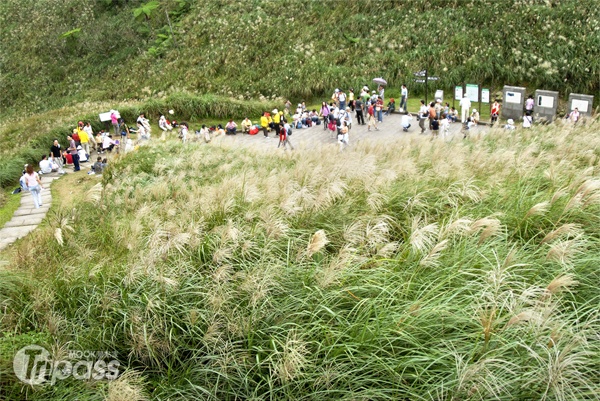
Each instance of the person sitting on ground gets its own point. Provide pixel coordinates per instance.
(46, 166)
(406, 121)
(246, 125)
(108, 144)
(231, 127)
(391, 107)
(143, 121)
(313, 115)
(510, 125)
(475, 117)
(67, 158)
(220, 130)
(446, 109)
(83, 157)
(142, 134)
(98, 166)
(306, 121)
(453, 115)
(163, 124)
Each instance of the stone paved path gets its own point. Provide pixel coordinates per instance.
(26, 218)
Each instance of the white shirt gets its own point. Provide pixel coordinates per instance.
(465, 103)
(527, 121)
(46, 166)
(88, 130)
(406, 119)
(342, 97)
(423, 110)
(404, 92)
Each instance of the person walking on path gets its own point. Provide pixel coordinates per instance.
(371, 118)
(56, 153)
(73, 152)
(34, 185)
(403, 99)
(351, 99)
(423, 115)
(465, 107)
(360, 118)
(284, 137)
(324, 112)
(343, 137)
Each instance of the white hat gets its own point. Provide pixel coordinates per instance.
(474, 110)
(275, 111)
(336, 90)
(510, 121)
(171, 112)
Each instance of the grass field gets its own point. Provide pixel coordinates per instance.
(423, 270)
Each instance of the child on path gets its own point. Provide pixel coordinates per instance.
(283, 137)
(371, 118)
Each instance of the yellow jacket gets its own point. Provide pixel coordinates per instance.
(83, 136)
(276, 118)
(264, 122)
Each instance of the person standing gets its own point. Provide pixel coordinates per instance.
(381, 91)
(342, 99)
(432, 114)
(495, 112)
(324, 112)
(403, 99)
(264, 124)
(529, 104)
(351, 99)
(423, 115)
(84, 139)
(56, 153)
(465, 107)
(114, 120)
(371, 118)
(379, 109)
(34, 185)
(360, 118)
(73, 152)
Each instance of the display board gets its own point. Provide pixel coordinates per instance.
(106, 116)
(513, 97)
(458, 92)
(581, 105)
(473, 92)
(545, 101)
(485, 95)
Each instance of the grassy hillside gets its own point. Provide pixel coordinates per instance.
(426, 270)
(62, 52)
